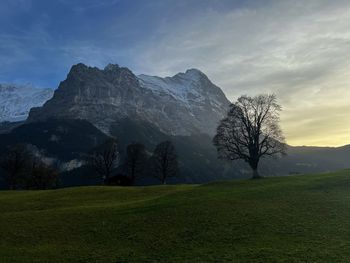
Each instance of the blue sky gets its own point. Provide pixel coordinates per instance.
(41, 39)
(299, 50)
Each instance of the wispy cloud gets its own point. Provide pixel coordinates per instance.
(301, 52)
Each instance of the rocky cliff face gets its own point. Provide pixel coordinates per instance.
(17, 100)
(184, 104)
(189, 102)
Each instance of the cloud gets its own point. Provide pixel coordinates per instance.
(298, 50)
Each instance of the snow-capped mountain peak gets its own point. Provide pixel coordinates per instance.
(184, 104)
(17, 100)
(192, 73)
(189, 87)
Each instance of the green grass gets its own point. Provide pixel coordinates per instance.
(286, 219)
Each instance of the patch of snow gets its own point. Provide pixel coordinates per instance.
(72, 164)
(17, 100)
(185, 87)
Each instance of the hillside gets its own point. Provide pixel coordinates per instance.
(289, 219)
(63, 139)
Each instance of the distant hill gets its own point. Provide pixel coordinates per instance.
(304, 159)
(62, 139)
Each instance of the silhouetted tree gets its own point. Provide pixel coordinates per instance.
(42, 176)
(164, 161)
(119, 179)
(250, 131)
(136, 158)
(16, 162)
(105, 159)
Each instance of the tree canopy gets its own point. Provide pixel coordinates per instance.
(251, 131)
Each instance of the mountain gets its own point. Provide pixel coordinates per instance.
(115, 102)
(184, 104)
(17, 100)
(189, 98)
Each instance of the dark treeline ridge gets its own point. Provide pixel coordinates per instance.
(26, 167)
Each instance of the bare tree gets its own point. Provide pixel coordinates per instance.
(42, 176)
(164, 161)
(136, 158)
(105, 159)
(16, 163)
(251, 131)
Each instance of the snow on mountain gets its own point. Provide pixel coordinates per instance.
(183, 86)
(17, 100)
(193, 89)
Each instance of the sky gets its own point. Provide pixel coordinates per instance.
(299, 50)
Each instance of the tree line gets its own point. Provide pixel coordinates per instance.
(26, 167)
(161, 164)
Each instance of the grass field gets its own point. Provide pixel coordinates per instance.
(286, 219)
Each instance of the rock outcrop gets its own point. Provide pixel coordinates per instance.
(184, 104)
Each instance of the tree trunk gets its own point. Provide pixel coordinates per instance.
(256, 174)
(163, 181)
(254, 162)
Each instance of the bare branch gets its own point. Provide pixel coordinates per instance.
(164, 161)
(251, 130)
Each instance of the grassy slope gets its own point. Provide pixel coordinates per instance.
(291, 219)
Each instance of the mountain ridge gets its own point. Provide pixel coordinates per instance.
(184, 104)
